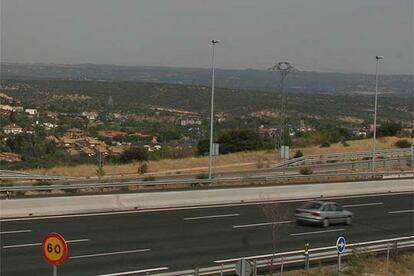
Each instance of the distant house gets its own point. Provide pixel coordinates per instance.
(75, 133)
(53, 115)
(92, 115)
(88, 151)
(264, 131)
(31, 111)
(12, 129)
(67, 142)
(10, 157)
(49, 126)
(5, 113)
(102, 149)
(116, 150)
(5, 98)
(184, 121)
(110, 134)
(7, 107)
(359, 133)
(93, 142)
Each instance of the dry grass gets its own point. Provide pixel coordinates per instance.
(403, 265)
(239, 161)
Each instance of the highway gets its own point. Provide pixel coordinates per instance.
(178, 239)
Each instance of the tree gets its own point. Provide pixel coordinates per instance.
(274, 215)
(389, 128)
(134, 153)
(203, 147)
(240, 140)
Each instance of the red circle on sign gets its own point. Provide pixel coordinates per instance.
(54, 248)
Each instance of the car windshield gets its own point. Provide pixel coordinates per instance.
(312, 205)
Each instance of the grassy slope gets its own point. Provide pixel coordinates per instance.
(236, 161)
(403, 265)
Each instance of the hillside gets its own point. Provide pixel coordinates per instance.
(78, 96)
(263, 80)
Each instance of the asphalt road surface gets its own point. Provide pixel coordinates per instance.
(186, 238)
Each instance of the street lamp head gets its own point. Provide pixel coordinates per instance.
(379, 57)
(215, 41)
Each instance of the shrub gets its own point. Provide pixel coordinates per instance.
(344, 143)
(100, 172)
(389, 128)
(298, 154)
(325, 145)
(149, 178)
(143, 168)
(134, 153)
(306, 171)
(202, 176)
(403, 143)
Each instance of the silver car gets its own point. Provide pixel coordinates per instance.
(323, 213)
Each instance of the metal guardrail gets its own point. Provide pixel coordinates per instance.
(348, 156)
(369, 175)
(296, 257)
(7, 174)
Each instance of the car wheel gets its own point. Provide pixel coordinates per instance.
(348, 221)
(325, 223)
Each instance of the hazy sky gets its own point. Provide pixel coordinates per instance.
(315, 35)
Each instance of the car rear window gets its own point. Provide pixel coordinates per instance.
(312, 205)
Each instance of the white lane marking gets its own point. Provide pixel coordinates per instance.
(213, 216)
(202, 207)
(16, 231)
(401, 211)
(261, 224)
(363, 204)
(110, 253)
(136, 271)
(38, 243)
(317, 232)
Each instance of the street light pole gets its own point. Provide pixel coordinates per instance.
(210, 157)
(375, 112)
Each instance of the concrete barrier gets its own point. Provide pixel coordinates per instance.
(133, 201)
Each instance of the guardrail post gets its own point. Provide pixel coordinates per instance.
(222, 270)
(396, 248)
(388, 258)
(255, 268)
(281, 267)
(306, 253)
(196, 271)
(307, 262)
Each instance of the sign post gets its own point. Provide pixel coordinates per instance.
(306, 253)
(54, 250)
(340, 248)
(243, 268)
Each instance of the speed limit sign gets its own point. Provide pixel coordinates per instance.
(54, 249)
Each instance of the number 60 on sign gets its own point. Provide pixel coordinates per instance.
(54, 248)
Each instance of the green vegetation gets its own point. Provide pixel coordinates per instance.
(403, 143)
(389, 128)
(149, 114)
(306, 171)
(298, 154)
